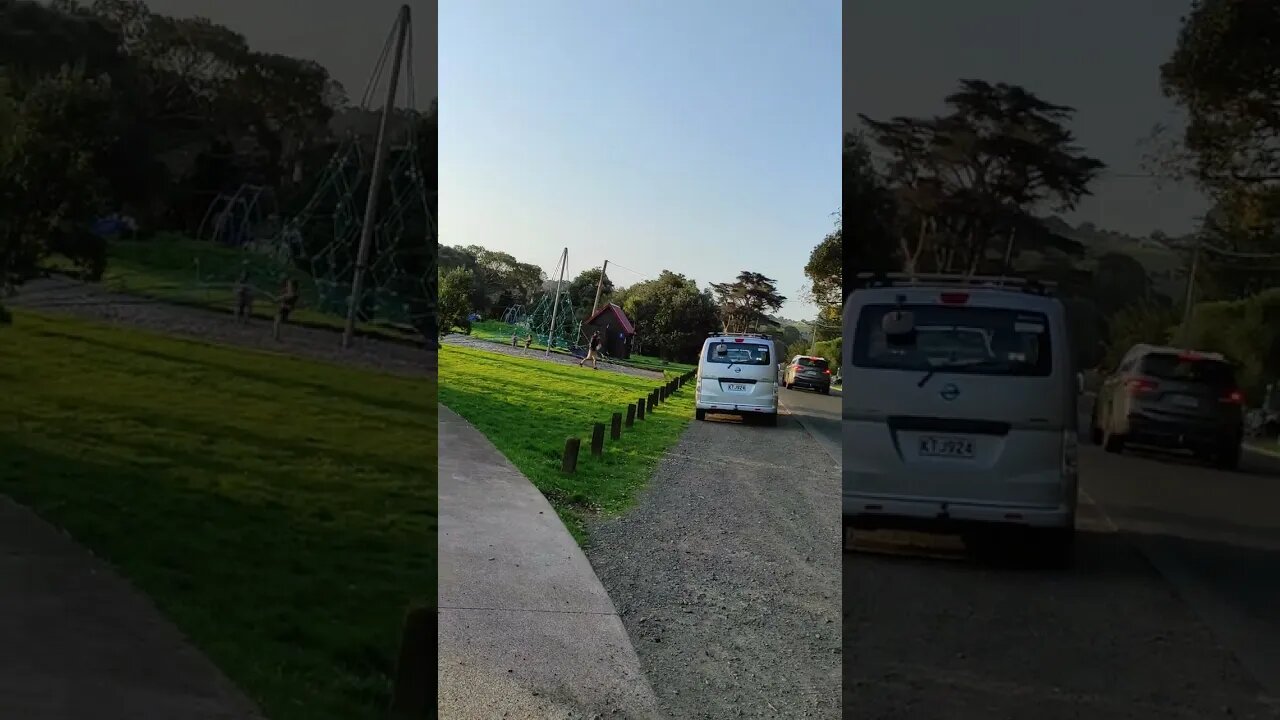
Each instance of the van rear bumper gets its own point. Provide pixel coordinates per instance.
(731, 408)
(880, 512)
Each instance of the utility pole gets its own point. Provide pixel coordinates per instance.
(599, 286)
(1188, 302)
(375, 180)
(555, 304)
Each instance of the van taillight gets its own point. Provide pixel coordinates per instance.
(954, 298)
(1138, 386)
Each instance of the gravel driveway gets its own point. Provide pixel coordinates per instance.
(727, 574)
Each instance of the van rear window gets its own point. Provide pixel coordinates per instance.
(971, 340)
(738, 353)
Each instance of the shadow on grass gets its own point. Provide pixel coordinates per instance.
(301, 610)
(255, 444)
(283, 377)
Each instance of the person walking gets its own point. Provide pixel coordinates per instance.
(244, 298)
(288, 302)
(593, 351)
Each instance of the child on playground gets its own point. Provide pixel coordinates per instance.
(288, 302)
(593, 351)
(244, 298)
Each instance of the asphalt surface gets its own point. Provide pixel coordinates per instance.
(1169, 612)
(817, 413)
(727, 574)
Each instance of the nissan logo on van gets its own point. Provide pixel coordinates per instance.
(949, 392)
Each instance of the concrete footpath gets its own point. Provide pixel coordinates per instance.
(526, 630)
(77, 641)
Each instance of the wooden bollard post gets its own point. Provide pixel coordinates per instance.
(631, 415)
(570, 462)
(597, 439)
(653, 403)
(412, 693)
(640, 409)
(615, 426)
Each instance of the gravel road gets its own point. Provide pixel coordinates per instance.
(727, 574)
(63, 296)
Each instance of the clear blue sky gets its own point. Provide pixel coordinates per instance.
(701, 137)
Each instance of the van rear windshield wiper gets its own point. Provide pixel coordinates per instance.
(990, 362)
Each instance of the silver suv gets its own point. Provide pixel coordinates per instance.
(1175, 399)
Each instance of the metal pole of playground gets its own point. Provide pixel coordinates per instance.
(375, 180)
(555, 305)
(599, 286)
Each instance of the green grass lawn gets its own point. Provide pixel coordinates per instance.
(498, 331)
(527, 408)
(191, 272)
(281, 512)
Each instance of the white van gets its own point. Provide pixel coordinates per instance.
(738, 374)
(959, 407)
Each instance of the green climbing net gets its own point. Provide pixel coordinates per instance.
(323, 240)
(537, 321)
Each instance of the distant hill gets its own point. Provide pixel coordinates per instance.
(1164, 257)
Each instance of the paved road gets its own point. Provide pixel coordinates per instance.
(1169, 611)
(819, 414)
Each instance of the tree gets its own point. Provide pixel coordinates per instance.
(744, 304)
(1224, 72)
(454, 303)
(582, 290)
(868, 210)
(1118, 282)
(51, 186)
(967, 183)
(825, 270)
(671, 315)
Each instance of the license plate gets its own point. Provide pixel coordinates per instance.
(1185, 401)
(735, 387)
(949, 447)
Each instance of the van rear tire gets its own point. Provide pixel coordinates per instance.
(700, 414)
(770, 420)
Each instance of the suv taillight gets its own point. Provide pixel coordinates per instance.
(827, 371)
(1138, 386)
(1234, 397)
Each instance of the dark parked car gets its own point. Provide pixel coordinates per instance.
(808, 372)
(1173, 399)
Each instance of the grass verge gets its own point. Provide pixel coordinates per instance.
(281, 512)
(527, 408)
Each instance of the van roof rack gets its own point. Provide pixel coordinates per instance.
(998, 282)
(765, 336)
